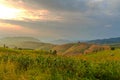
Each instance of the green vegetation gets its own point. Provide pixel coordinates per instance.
(115, 45)
(46, 65)
(106, 41)
(24, 43)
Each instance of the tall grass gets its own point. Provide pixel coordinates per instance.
(42, 65)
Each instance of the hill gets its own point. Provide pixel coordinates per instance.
(24, 42)
(106, 41)
(63, 49)
(60, 41)
(79, 48)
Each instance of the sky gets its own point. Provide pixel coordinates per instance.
(60, 19)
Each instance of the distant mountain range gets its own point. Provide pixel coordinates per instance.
(106, 41)
(19, 39)
(97, 41)
(64, 47)
(60, 41)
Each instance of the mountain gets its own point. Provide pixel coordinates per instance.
(106, 41)
(24, 42)
(79, 48)
(65, 47)
(62, 48)
(60, 41)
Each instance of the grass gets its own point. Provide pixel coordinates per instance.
(42, 65)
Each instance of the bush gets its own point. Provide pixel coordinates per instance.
(24, 62)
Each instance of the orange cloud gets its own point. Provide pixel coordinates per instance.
(39, 15)
(25, 13)
(10, 28)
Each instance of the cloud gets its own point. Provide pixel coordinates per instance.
(108, 26)
(57, 7)
(7, 28)
(57, 4)
(26, 13)
(67, 18)
(38, 15)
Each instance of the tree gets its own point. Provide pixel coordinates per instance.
(4, 46)
(54, 52)
(112, 48)
(50, 51)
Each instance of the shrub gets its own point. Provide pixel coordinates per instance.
(24, 62)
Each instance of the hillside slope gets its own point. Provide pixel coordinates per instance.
(60, 41)
(79, 48)
(106, 41)
(24, 42)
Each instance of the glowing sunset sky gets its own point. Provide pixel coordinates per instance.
(60, 19)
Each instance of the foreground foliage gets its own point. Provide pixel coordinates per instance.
(42, 65)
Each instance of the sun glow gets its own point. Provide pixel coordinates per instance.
(8, 12)
(11, 11)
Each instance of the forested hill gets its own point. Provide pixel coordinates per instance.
(106, 41)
